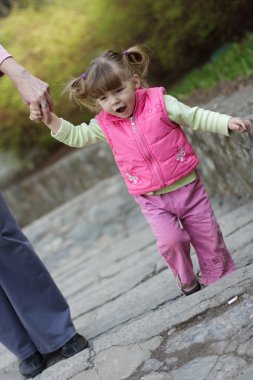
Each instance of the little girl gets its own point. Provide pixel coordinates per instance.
(143, 128)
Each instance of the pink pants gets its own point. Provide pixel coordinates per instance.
(191, 206)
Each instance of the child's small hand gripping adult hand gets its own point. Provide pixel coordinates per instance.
(237, 124)
(35, 113)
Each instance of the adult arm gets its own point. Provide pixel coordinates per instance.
(3, 55)
(32, 90)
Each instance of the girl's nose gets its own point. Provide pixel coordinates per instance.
(114, 100)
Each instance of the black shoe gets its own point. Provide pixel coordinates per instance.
(195, 289)
(32, 366)
(74, 345)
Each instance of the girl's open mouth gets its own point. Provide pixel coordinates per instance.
(121, 109)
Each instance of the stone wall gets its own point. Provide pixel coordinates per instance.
(226, 163)
(226, 166)
(69, 176)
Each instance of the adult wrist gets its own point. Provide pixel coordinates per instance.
(2, 59)
(14, 70)
(4, 54)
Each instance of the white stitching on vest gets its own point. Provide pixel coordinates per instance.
(181, 155)
(132, 178)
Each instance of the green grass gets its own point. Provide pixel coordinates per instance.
(235, 60)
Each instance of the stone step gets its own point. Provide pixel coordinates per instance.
(102, 254)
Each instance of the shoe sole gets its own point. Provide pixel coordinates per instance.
(194, 290)
(33, 374)
(86, 345)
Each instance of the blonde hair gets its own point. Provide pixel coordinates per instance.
(106, 73)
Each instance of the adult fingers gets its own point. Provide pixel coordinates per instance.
(49, 100)
(34, 106)
(35, 118)
(45, 108)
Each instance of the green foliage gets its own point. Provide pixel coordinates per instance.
(5, 6)
(236, 60)
(50, 53)
(186, 32)
(56, 39)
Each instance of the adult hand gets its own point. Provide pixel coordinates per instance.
(32, 90)
(35, 91)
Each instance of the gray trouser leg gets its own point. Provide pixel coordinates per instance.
(37, 313)
(12, 333)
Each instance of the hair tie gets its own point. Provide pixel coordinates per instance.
(125, 52)
(83, 75)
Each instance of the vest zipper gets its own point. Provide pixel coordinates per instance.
(145, 151)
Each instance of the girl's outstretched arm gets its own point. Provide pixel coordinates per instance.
(73, 135)
(36, 114)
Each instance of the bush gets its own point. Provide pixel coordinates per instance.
(55, 39)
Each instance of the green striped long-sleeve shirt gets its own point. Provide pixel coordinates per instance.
(196, 118)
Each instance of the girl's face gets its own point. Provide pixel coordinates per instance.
(121, 101)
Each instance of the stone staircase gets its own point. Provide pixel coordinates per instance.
(124, 299)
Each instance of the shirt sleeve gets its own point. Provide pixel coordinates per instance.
(3, 55)
(196, 118)
(79, 135)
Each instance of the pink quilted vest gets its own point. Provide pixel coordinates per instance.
(150, 150)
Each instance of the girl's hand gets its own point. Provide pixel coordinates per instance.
(239, 125)
(35, 113)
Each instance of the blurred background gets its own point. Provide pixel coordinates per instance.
(195, 45)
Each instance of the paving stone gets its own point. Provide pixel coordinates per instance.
(120, 362)
(157, 376)
(152, 365)
(200, 366)
(65, 369)
(248, 374)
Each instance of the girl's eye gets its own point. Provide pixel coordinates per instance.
(102, 98)
(119, 89)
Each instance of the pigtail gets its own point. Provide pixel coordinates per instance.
(136, 58)
(77, 91)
